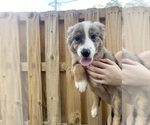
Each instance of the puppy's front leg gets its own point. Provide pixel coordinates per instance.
(96, 103)
(80, 77)
(116, 112)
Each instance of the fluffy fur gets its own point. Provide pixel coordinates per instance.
(86, 41)
(141, 111)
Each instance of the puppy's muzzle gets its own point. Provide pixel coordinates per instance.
(85, 52)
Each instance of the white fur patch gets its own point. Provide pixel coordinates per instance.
(88, 42)
(116, 121)
(94, 112)
(81, 86)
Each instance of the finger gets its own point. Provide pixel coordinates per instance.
(103, 63)
(95, 69)
(126, 66)
(95, 75)
(97, 81)
(128, 61)
(107, 61)
(97, 64)
(100, 64)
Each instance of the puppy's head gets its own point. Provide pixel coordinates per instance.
(85, 39)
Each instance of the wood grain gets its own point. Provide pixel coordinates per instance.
(52, 69)
(34, 70)
(73, 95)
(91, 15)
(35, 63)
(10, 86)
(136, 29)
(113, 29)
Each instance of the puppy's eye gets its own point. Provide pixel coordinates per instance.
(93, 36)
(77, 38)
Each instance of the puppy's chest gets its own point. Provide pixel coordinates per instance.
(100, 88)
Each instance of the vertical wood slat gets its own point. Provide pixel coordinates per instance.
(114, 29)
(34, 69)
(1, 72)
(52, 69)
(24, 75)
(10, 86)
(63, 85)
(136, 29)
(42, 40)
(73, 95)
(91, 15)
(136, 35)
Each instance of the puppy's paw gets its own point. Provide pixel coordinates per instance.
(94, 112)
(81, 85)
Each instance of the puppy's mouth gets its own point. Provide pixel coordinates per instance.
(86, 61)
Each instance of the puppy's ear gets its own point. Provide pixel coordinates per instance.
(70, 29)
(70, 34)
(100, 25)
(101, 28)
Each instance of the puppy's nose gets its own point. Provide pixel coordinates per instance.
(85, 52)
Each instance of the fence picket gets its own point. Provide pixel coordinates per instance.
(114, 29)
(92, 15)
(73, 95)
(52, 69)
(34, 45)
(136, 29)
(11, 93)
(34, 69)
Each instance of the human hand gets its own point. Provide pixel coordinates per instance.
(105, 72)
(134, 73)
(134, 76)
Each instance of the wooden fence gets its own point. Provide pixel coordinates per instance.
(36, 86)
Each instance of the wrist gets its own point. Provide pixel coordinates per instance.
(147, 77)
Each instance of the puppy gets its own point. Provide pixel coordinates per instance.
(141, 99)
(86, 41)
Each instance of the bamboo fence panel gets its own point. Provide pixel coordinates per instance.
(73, 95)
(11, 93)
(52, 69)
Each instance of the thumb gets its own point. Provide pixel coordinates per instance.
(107, 61)
(129, 61)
